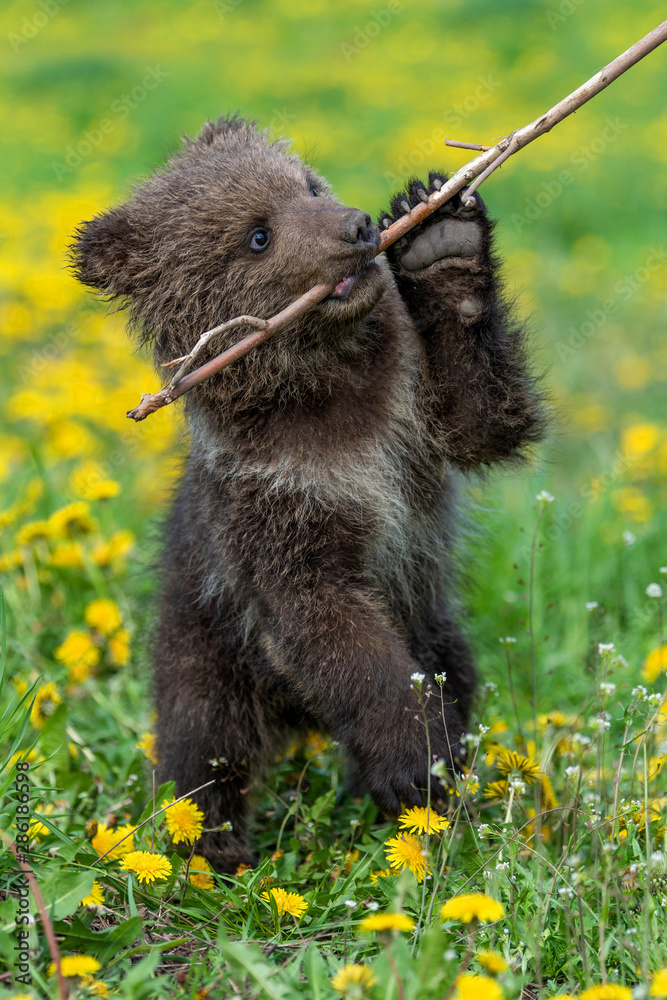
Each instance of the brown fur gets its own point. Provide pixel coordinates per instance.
(307, 572)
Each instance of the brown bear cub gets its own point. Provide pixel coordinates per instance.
(307, 570)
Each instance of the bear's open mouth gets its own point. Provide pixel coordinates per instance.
(344, 288)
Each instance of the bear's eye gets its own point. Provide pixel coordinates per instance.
(260, 239)
(314, 192)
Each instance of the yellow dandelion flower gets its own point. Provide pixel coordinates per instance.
(471, 987)
(103, 615)
(34, 531)
(37, 829)
(406, 851)
(606, 991)
(147, 744)
(10, 561)
(146, 866)
(76, 965)
(72, 520)
(387, 922)
(201, 873)
(109, 839)
(352, 975)
(119, 647)
(659, 984)
(558, 720)
(419, 819)
(655, 664)
(510, 762)
(102, 490)
(67, 555)
(492, 962)
(287, 902)
(78, 650)
(95, 897)
(382, 873)
(46, 702)
(185, 820)
(497, 790)
(95, 986)
(243, 868)
(639, 440)
(120, 543)
(472, 906)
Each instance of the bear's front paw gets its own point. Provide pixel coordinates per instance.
(453, 233)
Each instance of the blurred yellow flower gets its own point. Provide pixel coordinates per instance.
(359, 977)
(387, 922)
(76, 965)
(78, 651)
(287, 902)
(119, 647)
(492, 962)
(95, 897)
(88, 482)
(147, 744)
(120, 543)
(606, 991)
(147, 866)
(103, 615)
(67, 555)
(10, 561)
(632, 372)
(633, 503)
(382, 873)
(201, 873)
(406, 851)
(640, 439)
(34, 531)
(107, 838)
(185, 820)
(71, 520)
(419, 819)
(46, 702)
(659, 984)
(655, 663)
(472, 906)
(497, 789)
(471, 987)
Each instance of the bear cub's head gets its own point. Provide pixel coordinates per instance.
(233, 224)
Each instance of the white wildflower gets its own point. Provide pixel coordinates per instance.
(592, 605)
(544, 498)
(654, 590)
(629, 539)
(605, 647)
(607, 688)
(417, 679)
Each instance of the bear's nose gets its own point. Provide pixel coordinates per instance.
(357, 226)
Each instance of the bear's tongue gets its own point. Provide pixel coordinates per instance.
(343, 288)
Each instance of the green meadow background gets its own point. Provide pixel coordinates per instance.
(94, 95)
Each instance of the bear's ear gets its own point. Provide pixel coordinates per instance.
(101, 252)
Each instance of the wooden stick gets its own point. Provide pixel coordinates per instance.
(477, 171)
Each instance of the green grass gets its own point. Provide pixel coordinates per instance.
(585, 894)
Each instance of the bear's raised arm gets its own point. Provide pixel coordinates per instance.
(484, 401)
